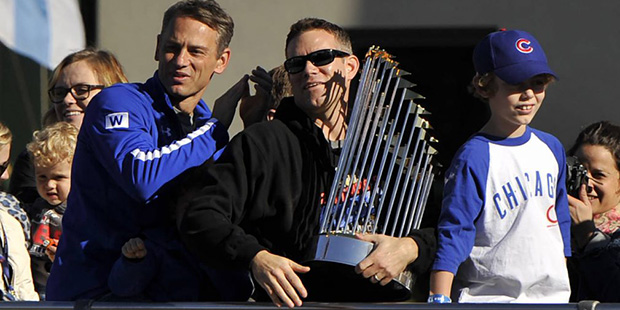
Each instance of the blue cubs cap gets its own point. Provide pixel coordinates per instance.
(513, 55)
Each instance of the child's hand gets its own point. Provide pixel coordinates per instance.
(50, 251)
(134, 248)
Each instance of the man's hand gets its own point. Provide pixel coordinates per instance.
(134, 249)
(254, 109)
(389, 258)
(580, 209)
(277, 275)
(225, 106)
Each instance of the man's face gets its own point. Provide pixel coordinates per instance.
(188, 56)
(319, 89)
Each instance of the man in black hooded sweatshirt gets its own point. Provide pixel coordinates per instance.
(259, 205)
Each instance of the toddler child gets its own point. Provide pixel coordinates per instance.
(52, 152)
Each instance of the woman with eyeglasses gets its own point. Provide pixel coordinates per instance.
(75, 81)
(596, 215)
(16, 277)
(78, 78)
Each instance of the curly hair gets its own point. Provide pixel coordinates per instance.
(54, 144)
(601, 133)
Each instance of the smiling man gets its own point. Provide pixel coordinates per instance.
(258, 206)
(136, 140)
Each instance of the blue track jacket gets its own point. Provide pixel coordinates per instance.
(130, 149)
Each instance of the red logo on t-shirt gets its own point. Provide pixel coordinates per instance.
(551, 215)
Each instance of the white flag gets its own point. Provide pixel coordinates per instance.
(44, 30)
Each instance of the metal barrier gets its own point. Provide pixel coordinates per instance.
(86, 305)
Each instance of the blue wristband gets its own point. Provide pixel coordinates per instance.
(439, 299)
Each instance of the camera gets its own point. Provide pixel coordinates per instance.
(576, 175)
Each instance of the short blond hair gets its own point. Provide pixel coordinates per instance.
(53, 144)
(5, 135)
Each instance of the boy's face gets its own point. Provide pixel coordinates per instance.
(54, 182)
(516, 105)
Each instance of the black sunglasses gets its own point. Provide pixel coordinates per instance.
(79, 92)
(318, 58)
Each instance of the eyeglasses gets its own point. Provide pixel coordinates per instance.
(318, 58)
(79, 92)
(3, 167)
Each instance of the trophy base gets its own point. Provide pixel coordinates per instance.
(332, 274)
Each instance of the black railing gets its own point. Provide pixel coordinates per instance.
(88, 305)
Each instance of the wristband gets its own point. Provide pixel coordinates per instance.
(439, 299)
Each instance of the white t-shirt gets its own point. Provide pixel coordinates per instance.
(505, 220)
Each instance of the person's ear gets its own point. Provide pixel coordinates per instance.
(352, 65)
(479, 87)
(482, 92)
(157, 48)
(222, 61)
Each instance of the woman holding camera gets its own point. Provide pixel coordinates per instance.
(596, 214)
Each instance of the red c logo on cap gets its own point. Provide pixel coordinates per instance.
(523, 46)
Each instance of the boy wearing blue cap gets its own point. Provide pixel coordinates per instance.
(505, 222)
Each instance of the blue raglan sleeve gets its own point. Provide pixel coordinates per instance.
(463, 200)
(561, 199)
(121, 127)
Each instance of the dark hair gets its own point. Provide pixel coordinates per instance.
(601, 133)
(311, 23)
(207, 12)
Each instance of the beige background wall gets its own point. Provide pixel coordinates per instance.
(581, 38)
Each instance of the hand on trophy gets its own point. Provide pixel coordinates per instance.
(389, 258)
(277, 275)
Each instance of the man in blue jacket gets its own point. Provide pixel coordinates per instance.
(135, 142)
